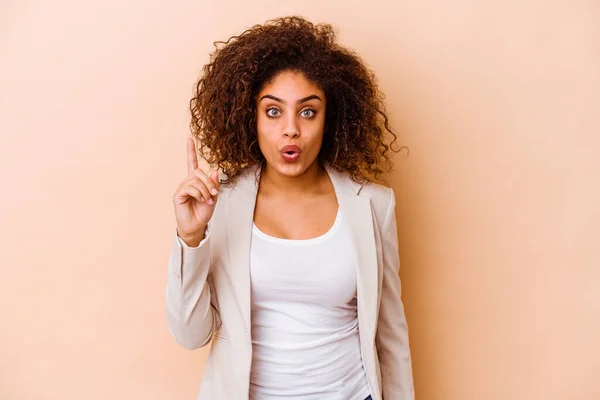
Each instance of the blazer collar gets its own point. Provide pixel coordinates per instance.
(342, 183)
(247, 182)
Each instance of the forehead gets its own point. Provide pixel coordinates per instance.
(290, 85)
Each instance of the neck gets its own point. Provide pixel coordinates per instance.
(309, 181)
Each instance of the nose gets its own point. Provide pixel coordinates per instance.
(291, 129)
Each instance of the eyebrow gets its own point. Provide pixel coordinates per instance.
(302, 100)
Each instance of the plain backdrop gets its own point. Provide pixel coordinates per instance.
(498, 199)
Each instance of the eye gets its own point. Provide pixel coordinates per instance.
(273, 112)
(308, 113)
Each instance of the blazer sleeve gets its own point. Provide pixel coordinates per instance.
(191, 316)
(392, 330)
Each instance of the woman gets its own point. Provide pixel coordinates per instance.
(288, 261)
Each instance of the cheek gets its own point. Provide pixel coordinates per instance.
(266, 133)
(314, 132)
(317, 143)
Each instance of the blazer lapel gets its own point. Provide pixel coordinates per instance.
(239, 218)
(358, 214)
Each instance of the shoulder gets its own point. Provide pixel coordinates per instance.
(382, 200)
(381, 197)
(376, 192)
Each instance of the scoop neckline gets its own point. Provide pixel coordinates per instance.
(256, 230)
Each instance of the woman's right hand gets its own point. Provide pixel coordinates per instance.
(195, 200)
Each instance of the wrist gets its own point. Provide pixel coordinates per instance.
(193, 240)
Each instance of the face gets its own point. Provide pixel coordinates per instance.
(290, 121)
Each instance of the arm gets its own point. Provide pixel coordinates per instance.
(191, 316)
(392, 330)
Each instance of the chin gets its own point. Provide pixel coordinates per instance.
(290, 170)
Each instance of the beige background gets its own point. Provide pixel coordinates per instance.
(498, 203)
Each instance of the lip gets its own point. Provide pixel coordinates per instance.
(290, 148)
(290, 153)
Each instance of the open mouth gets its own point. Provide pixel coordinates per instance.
(290, 153)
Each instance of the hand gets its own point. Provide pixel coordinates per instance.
(195, 199)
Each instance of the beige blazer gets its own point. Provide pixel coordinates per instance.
(208, 290)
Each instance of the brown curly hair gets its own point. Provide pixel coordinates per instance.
(357, 134)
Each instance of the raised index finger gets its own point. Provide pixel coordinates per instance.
(192, 158)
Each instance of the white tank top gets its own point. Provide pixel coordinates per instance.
(304, 318)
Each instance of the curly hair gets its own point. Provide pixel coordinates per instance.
(357, 135)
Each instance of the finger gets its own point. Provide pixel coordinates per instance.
(208, 182)
(214, 177)
(198, 184)
(186, 193)
(192, 158)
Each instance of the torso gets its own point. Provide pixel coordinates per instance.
(305, 335)
(297, 217)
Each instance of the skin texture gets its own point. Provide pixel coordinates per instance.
(295, 200)
(290, 111)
